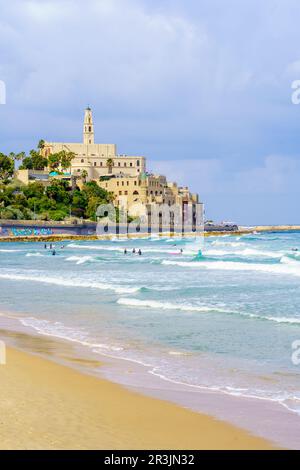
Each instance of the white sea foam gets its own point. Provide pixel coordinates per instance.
(247, 252)
(34, 255)
(287, 269)
(59, 330)
(229, 244)
(154, 304)
(9, 251)
(169, 306)
(80, 259)
(70, 282)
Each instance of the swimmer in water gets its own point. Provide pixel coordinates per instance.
(133, 251)
(53, 253)
(140, 252)
(125, 251)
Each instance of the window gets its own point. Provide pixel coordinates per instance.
(122, 183)
(138, 163)
(135, 193)
(119, 164)
(95, 163)
(126, 193)
(90, 129)
(118, 183)
(135, 183)
(82, 160)
(130, 163)
(120, 193)
(100, 163)
(127, 183)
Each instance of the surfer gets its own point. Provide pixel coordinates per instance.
(45, 246)
(53, 253)
(125, 251)
(140, 252)
(133, 251)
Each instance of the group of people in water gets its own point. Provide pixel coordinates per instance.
(52, 248)
(134, 251)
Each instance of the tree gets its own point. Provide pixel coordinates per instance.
(41, 144)
(66, 159)
(6, 167)
(35, 161)
(54, 161)
(110, 164)
(84, 175)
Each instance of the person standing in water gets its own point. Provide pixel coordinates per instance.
(140, 252)
(133, 251)
(125, 251)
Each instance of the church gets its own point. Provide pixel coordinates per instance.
(123, 175)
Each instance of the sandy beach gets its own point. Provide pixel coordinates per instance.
(45, 405)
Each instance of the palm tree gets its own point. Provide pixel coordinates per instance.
(110, 164)
(66, 159)
(41, 144)
(84, 175)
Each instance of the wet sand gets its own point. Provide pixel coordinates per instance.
(45, 405)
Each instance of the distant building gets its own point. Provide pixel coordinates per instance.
(123, 175)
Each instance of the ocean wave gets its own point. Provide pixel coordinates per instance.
(80, 259)
(170, 306)
(165, 251)
(222, 243)
(70, 282)
(279, 268)
(154, 304)
(34, 255)
(9, 251)
(247, 252)
(59, 330)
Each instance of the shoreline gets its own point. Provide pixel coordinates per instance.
(94, 237)
(251, 416)
(54, 406)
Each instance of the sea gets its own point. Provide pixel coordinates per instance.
(218, 314)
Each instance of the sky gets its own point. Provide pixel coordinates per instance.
(202, 88)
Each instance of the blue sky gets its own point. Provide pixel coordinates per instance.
(202, 88)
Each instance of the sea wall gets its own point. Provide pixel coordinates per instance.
(21, 229)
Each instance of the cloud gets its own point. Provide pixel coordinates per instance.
(202, 88)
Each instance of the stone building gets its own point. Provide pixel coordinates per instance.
(125, 176)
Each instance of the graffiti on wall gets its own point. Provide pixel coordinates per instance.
(25, 231)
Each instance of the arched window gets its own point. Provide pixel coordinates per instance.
(90, 129)
(82, 160)
(138, 163)
(135, 193)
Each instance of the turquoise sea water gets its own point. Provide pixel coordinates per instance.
(224, 321)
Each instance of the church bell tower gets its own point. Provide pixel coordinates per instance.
(88, 127)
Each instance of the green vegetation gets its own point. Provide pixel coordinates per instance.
(56, 200)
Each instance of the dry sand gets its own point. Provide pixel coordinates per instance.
(45, 405)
